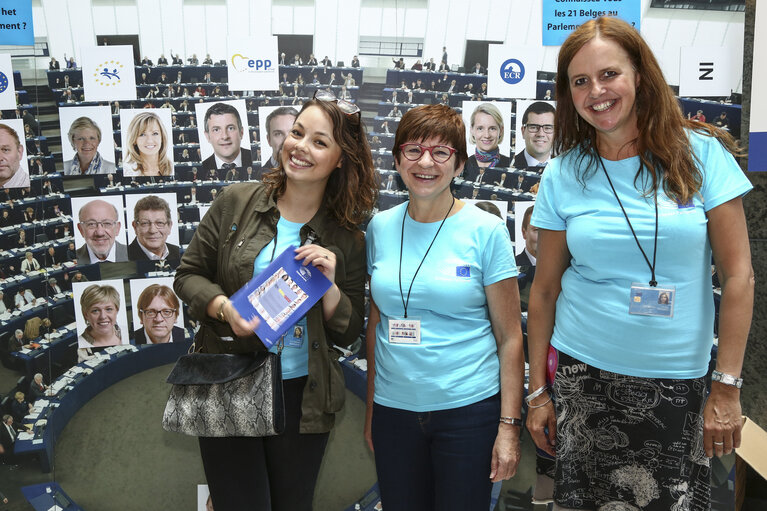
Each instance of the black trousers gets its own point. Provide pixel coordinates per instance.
(275, 473)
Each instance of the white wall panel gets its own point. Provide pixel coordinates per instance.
(172, 28)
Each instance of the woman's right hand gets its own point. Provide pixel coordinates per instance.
(368, 430)
(538, 419)
(240, 326)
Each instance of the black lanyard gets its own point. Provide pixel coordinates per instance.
(401, 245)
(653, 282)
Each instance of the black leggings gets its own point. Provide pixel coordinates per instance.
(276, 473)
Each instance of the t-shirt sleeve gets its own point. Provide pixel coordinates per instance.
(498, 256)
(370, 245)
(546, 215)
(723, 179)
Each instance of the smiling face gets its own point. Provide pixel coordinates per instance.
(158, 329)
(102, 317)
(538, 144)
(149, 141)
(603, 88)
(224, 134)
(426, 179)
(99, 237)
(152, 229)
(486, 132)
(86, 143)
(10, 156)
(310, 153)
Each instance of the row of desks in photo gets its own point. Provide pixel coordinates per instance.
(257, 100)
(36, 234)
(82, 382)
(196, 74)
(395, 77)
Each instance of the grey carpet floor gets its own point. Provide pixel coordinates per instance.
(114, 456)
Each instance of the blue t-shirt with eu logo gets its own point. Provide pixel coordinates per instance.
(592, 322)
(295, 354)
(456, 362)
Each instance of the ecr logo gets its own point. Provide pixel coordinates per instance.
(241, 63)
(512, 71)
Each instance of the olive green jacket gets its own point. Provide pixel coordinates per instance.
(242, 221)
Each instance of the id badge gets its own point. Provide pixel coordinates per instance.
(294, 337)
(652, 301)
(405, 330)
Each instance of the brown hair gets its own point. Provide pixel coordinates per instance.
(663, 144)
(164, 292)
(429, 121)
(352, 189)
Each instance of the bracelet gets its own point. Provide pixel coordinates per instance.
(220, 313)
(726, 379)
(536, 393)
(540, 405)
(513, 421)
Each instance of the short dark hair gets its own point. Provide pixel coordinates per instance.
(151, 203)
(283, 110)
(489, 207)
(526, 218)
(222, 109)
(538, 108)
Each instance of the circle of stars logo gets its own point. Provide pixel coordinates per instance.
(108, 73)
(3, 82)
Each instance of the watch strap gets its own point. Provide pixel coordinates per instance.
(726, 379)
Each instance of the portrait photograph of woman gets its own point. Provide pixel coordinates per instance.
(146, 143)
(90, 146)
(100, 313)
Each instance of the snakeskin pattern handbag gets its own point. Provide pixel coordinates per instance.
(221, 395)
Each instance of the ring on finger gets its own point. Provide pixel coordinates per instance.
(718, 443)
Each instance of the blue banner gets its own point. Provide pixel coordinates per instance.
(16, 23)
(560, 17)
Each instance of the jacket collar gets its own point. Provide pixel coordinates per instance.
(319, 223)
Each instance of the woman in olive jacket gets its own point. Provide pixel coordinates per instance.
(323, 188)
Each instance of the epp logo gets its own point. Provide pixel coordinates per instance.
(512, 71)
(243, 63)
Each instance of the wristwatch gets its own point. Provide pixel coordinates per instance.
(220, 312)
(727, 379)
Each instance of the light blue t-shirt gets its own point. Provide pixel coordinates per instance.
(456, 363)
(592, 319)
(295, 360)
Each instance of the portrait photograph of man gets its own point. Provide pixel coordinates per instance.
(14, 169)
(275, 124)
(224, 141)
(100, 236)
(535, 134)
(154, 233)
(157, 314)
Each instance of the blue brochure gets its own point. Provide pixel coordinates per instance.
(280, 295)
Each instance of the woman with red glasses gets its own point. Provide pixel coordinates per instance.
(445, 361)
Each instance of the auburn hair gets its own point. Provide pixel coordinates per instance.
(663, 143)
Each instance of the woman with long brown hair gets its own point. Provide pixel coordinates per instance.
(323, 188)
(631, 211)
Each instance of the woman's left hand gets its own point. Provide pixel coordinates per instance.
(320, 257)
(722, 420)
(506, 453)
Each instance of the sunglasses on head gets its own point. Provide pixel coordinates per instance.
(345, 106)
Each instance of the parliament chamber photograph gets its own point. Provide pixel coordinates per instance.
(280, 255)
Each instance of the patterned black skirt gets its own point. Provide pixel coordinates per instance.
(626, 443)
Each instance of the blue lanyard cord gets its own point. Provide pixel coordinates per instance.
(653, 282)
(401, 245)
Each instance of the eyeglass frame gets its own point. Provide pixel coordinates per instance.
(94, 224)
(429, 149)
(152, 313)
(328, 97)
(144, 224)
(539, 127)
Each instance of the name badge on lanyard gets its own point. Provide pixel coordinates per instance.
(405, 330)
(652, 301)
